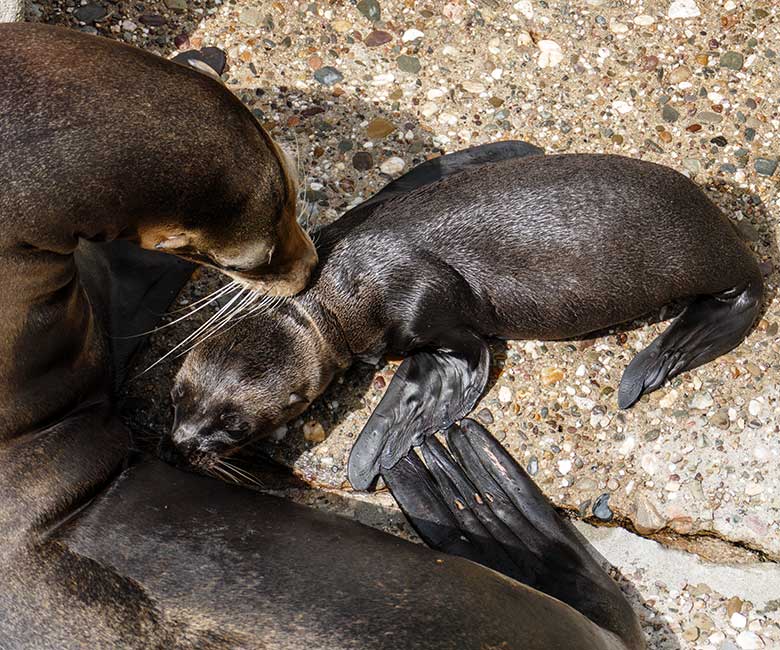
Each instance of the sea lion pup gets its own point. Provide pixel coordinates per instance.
(140, 148)
(540, 247)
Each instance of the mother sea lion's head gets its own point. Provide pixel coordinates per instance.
(243, 223)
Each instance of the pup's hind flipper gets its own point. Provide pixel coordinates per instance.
(505, 523)
(708, 327)
(430, 390)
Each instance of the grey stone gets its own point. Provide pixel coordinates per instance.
(408, 63)
(250, 16)
(669, 114)
(328, 75)
(731, 60)
(765, 166)
(370, 9)
(90, 13)
(179, 6)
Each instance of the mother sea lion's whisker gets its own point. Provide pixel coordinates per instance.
(217, 292)
(216, 327)
(212, 297)
(196, 333)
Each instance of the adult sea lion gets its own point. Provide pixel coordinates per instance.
(101, 551)
(136, 147)
(524, 246)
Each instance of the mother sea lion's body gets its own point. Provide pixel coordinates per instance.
(96, 554)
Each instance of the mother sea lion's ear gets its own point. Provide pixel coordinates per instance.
(210, 61)
(430, 390)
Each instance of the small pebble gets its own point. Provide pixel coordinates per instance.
(328, 76)
(409, 64)
(748, 640)
(379, 128)
(731, 60)
(313, 431)
(411, 35)
(550, 54)
(701, 401)
(362, 161)
(485, 416)
(370, 9)
(683, 9)
(669, 114)
(765, 166)
(551, 376)
(392, 166)
(738, 620)
(473, 87)
(601, 508)
(377, 38)
(90, 13)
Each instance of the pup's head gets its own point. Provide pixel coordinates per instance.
(245, 384)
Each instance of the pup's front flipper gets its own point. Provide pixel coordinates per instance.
(477, 502)
(430, 390)
(708, 327)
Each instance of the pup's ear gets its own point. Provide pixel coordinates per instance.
(294, 399)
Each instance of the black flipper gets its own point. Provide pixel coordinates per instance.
(430, 390)
(452, 163)
(131, 288)
(521, 534)
(708, 327)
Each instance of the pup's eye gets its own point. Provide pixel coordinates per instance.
(234, 423)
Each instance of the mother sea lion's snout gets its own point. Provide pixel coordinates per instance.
(287, 265)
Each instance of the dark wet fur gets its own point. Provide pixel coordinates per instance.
(527, 247)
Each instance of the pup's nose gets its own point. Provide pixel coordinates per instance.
(168, 452)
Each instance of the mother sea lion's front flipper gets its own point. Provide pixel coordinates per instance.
(130, 288)
(429, 391)
(477, 502)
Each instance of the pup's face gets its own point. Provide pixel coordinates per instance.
(242, 386)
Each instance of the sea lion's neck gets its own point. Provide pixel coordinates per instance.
(52, 355)
(343, 288)
(334, 347)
